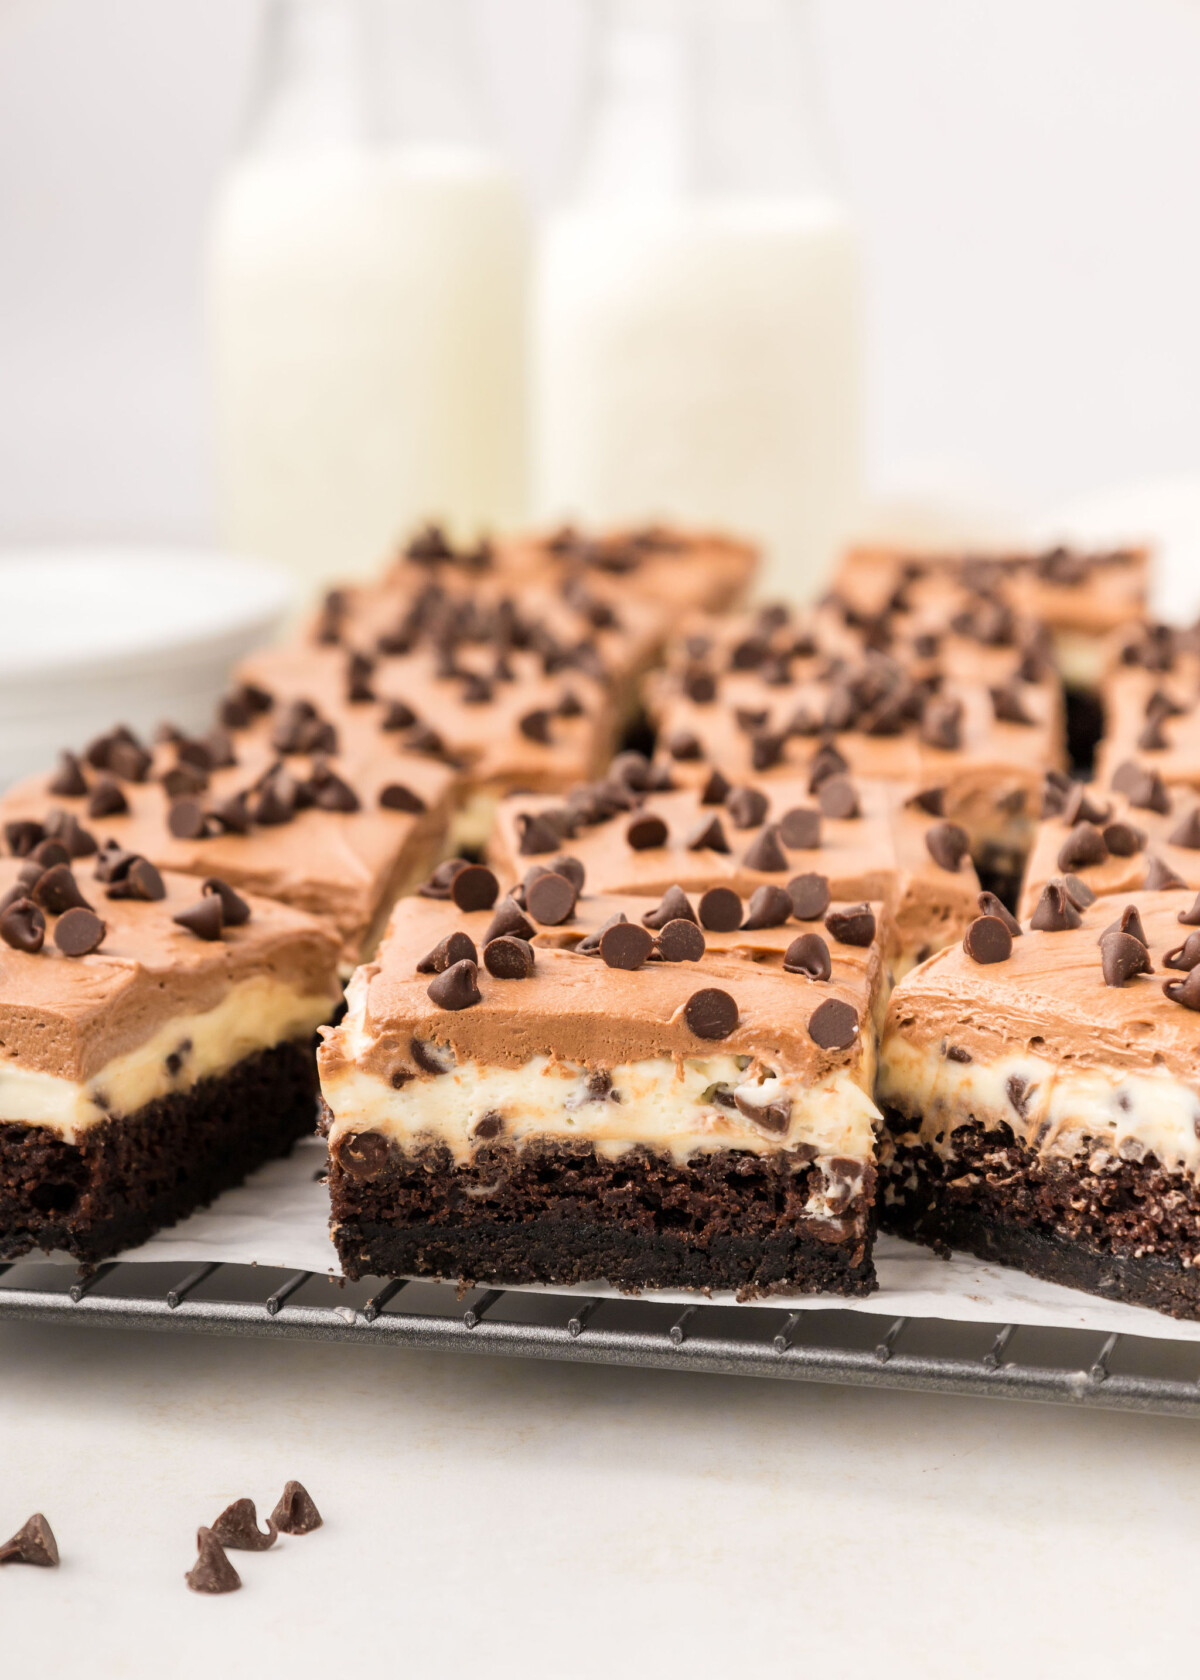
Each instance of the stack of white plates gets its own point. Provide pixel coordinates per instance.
(92, 637)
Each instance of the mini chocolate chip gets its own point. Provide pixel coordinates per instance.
(474, 888)
(1160, 877)
(808, 954)
(129, 760)
(334, 794)
(535, 726)
(1121, 957)
(1018, 1091)
(106, 799)
(34, 1543)
(1123, 840)
(1186, 832)
(773, 1117)
(232, 815)
(810, 896)
(212, 1571)
(1184, 956)
(397, 796)
(827, 761)
(941, 724)
(1078, 891)
(672, 907)
(488, 1126)
(454, 948)
(708, 835)
(79, 842)
(68, 781)
(765, 853)
(550, 899)
(427, 1057)
(988, 940)
(990, 905)
(234, 908)
(855, 925)
(50, 853)
(23, 926)
(747, 806)
(715, 790)
(1190, 918)
(720, 910)
(570, 867)
(749, 718)
(766, 750)
(956, 1053)
(625, 945)
(1008, 705)
(645, 833)
(509, 958)
(700, 686)
(237, 1526)
(947, 844)
(456, 987)
(769, 907)
(205, 918)
(711, 1013)
(537, 836)
(141, 881)
(680, 941)
(683, 746)
(1152, 737)
(1054, 911)
(833, 1025)
(1185, 991)
(1082, 847)
(508, 919)
(930, 800)
(838, 798)
(442, 879)
(589, 945)
(79, 932)
(184, 780)
(1144, 789)
(396, 715)
(1079, 806)
(800, 828)
(186, 820)
(1130, 921)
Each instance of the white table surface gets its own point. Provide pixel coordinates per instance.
(493, 1518)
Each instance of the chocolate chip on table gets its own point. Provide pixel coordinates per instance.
(747, 806)
(509, 920)
(474, 888)
(708, 835)
(1121, 957)
(212, 1571)
(237, 1528)
(625, 945)
(23, 926)
(947, 844)
(988, 939)
(397, 796)
(769, 907)
(1054, 912)
(838, 798)
(854, 925)
(68, 781)
(454, 948)
(1123, 840)
(550, 899)
(720, 910)
(645, 833)
(33, 1543)
(535, 726)
(673, 906)
(1129, 921)
(711, 1014)
(808, 954)
(715, 790)
(79, 932)
(106, 799)
(810, 896)
(295, 1512)
(1082, 847)
(680, 941)
(509, 958)
(990, 905)
(833, 1025)
(800, 828)
(456, 987)
(1160, 877)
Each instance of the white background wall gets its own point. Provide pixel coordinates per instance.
(1025, 174)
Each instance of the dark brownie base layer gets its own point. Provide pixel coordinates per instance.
(128, 1177)
(559, 1213)
(1111, 1226)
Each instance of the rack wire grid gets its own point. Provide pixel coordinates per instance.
(1003, 1361)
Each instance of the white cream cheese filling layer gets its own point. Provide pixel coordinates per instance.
(251, 1017)
(1047, 1106)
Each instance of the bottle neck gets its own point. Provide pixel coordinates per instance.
(706, 98)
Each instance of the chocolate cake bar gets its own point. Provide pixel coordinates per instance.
(157, 1045)
(1041, 1095)
(846, 838)
(279, 802)
(554, 1088)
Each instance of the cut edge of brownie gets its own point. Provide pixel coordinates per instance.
(131, 1175)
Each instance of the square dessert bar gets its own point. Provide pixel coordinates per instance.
(846, 839)
(560, 1089)
(1041, 1096)
(1152, 705)
(278, 802)
(156, 1045)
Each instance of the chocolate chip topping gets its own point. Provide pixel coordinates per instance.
(442, 879)
(800, 828)
(212, 1571)
(947, 844)
(711, 1013)
(838, 798)
(141, 881)
(683, 746)
(205, 918)
(509, 919)
(765, 853)
(673, 906)
(625, 945)
(646, 833)
(397, 796)
(990, 905)
(700, 686)
(1082, 847)
(185, 819)
(237, 1527)
(930, 800)
(827, 761)
(1144, 789)
(810, 896)
(808, 954)
(1184, 956)
(769, 907)
(57, 890)
(79, 932)
(34, 1543)
(233, 906)
(508, 957)
(1160, 877)
(747, 806)
(474, 888)
(833, 1025)
(854, 925)
(1078, 891)
(1185, 991)
(680, 941)
(1123, 840)
(1121, 957)
(456, 947)
(106, 799)
(535, 726)
(988, 939)
(550, 899)
(941, 724)
(720, 910)
(1008, 705)
(397, 715)
(1130, 921)
(1190, 918)
(23, 926)
(1187, 831)
(456, 988)
(715, 790)
(68, 781)
(708, 835)
(1079, 806)
(1054, 911)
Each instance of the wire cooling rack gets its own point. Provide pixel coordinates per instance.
(1001, 1361)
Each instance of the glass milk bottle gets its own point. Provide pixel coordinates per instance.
(368, 293)
(698, 335)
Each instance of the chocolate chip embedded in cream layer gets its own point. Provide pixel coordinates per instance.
(856, 839)
(577, 1088)
(285, 806)
(1042, 1097)
(157, 1039)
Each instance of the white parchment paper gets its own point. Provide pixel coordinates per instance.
(279, 1217)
